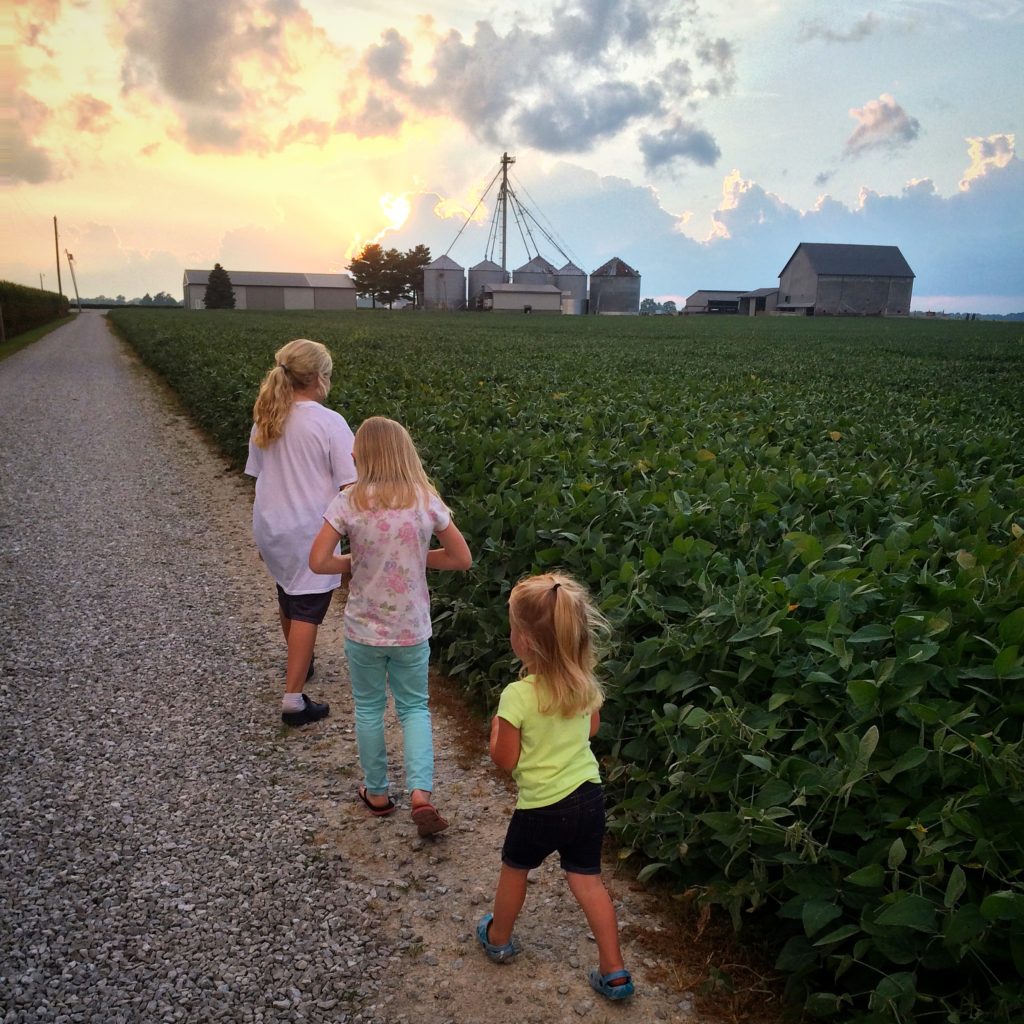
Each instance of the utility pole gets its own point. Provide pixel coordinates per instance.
(41, 288)
(71, 267)
(506, 160)
(56, 250)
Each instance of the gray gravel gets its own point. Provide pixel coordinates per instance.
(155, 862)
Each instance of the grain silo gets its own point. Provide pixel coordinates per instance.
(537, 271)
(615, 288)
(573, 283)
(444, 284)
(485, 273)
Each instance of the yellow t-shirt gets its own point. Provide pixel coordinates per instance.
(555, 756)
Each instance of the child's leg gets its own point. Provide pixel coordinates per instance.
(366, 669)
(301, 639)
(508, 901)
(593, 898)
(407, 678)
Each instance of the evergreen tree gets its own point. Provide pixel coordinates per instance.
(219, 293)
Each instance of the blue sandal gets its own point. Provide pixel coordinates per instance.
(499, 954)
(603, 983)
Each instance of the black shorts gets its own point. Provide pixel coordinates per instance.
(574, 827)
(304, 607)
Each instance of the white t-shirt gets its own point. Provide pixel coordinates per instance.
(388, 601)
(296, 477)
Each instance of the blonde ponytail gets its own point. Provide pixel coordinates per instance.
(565, 633)
(299, 365)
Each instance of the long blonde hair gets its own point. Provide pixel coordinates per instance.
(565, 634)
(389, 473)
(299, 365)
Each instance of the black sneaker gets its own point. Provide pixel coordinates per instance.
(312, 668)
(311, 712)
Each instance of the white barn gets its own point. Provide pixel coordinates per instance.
(272, 290)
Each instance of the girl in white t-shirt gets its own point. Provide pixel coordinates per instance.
(390, 515)
(300, 453)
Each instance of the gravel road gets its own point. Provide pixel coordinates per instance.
(155, 859)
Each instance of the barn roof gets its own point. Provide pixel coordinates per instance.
(274, 279)
(853, 260)
(711, 293)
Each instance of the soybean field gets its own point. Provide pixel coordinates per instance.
(809, 537)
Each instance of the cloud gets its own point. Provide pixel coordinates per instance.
(583, 74)
(881, 124)
(32, 19)
(231, 72)
(681, 141)
(24, 160)
(987, 154)
(91, 114)
(857, 32)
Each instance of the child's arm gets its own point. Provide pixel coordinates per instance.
(453, 552)
(322, 555)
(505, 743)
(595, 722)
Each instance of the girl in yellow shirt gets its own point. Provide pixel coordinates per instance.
(541, 734)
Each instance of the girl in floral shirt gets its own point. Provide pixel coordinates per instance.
(390, 515)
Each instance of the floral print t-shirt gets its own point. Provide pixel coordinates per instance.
(388, 602)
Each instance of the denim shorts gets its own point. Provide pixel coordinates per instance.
(304, 607)
(574, 826)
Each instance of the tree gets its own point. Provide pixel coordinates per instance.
(367, 270)
(648, 307)
(387, 276)
(219, 293)
(668, 306)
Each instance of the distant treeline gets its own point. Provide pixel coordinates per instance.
(24, 308)
(104, 301)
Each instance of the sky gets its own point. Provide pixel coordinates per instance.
(700, 141)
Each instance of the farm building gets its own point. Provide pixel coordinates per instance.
(823, 279)
(707, 300)
(761, 300)
(270, 290)
(615, 288)
(521, 298)
(444, 284)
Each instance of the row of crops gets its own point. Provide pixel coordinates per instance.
(809, 535)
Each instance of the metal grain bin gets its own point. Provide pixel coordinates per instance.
(537, 271)
(573, 283)
(615, 288)
(444, 284)
(480, 276)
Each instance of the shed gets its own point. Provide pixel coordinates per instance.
(761, 300)
(615, 288)
(830, 279)
(710, 300)
(273, 290)
(522, 298)
(444, 284)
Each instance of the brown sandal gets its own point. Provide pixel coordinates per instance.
(428, 821)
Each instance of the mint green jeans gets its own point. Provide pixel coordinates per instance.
(403, 671)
